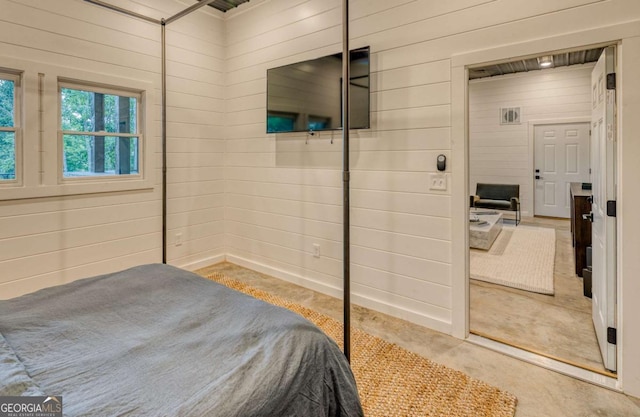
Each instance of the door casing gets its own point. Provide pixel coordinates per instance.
(590, 38)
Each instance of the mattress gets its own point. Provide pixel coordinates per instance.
(158, 340)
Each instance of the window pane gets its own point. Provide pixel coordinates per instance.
(7, 156)
(7, 104)
(85, 156)
(86, 111)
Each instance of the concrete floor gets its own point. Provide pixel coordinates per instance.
(540, 392)
(558, 325)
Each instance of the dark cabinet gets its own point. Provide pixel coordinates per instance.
(580, 227)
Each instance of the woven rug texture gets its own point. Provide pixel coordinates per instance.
(521, 257)
(394, 382)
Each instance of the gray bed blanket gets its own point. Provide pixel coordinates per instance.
(159, 341)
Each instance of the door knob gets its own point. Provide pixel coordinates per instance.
(538, 177)
(588, 216)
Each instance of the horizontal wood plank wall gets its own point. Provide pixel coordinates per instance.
(195, 137)
(284, 191)
(500, 153)
(49, 241)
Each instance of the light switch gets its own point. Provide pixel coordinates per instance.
(438, 182)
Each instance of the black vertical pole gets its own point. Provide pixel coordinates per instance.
(164, 142)
(346, 78)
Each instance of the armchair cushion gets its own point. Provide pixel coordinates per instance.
(493, 204)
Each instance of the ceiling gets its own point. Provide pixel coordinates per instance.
(224, 5)
(531, 64)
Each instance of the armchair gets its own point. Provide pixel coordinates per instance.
(498, 197)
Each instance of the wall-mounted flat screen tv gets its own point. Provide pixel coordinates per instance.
(307, 96)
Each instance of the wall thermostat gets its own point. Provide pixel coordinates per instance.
(442, 162)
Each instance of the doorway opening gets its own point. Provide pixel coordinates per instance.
(531, 124)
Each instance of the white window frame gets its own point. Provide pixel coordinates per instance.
(16, 77)
(107, 90)
(38, 151)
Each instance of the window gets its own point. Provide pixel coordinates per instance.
(99, 131)
(9, 124)
(94, 137)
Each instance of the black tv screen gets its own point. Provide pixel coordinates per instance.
(307, 96)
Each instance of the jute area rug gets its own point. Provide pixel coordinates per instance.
(394, 382)
(521, 257)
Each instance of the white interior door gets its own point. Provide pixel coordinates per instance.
(603, 152)
(561, 156)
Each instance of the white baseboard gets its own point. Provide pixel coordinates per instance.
(286, 276)
(201, 263)
(373, 304)
(402, 313)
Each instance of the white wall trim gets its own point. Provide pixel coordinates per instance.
(192, 266)
(628, 263)
(603, 36)
(531, 144)
(459, 77)
(377, 305)
(286, 276)
(460, 202)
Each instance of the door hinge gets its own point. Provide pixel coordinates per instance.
(611, 81)
(611, 208)
(612, 335)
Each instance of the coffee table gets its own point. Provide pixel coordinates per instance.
(484, 231)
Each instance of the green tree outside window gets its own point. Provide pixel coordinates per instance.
(7, 138)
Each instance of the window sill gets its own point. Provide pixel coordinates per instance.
(69, 189)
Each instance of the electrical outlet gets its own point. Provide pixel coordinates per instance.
(316, 250)
(438, 182)
(179, 239)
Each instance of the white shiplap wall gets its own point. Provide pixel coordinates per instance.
(284, 195)
(195, 137)
(47, 241)
(501, 153)
(280, 194)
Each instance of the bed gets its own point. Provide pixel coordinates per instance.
(158, 340)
